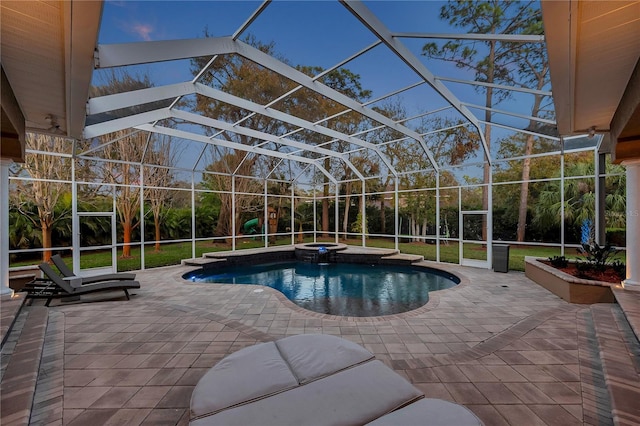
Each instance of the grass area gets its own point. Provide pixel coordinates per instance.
(450, 253)
(173, 253)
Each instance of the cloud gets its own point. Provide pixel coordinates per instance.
(142, 30)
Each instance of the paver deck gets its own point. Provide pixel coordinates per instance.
(498, 343)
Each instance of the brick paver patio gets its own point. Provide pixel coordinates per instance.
(506, 348)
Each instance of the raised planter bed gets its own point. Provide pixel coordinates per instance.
(568, 287)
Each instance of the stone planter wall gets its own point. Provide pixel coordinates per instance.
(568, 287)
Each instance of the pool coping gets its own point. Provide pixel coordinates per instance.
(434, 296)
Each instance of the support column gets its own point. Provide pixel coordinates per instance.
(4, 226)
(633, 225)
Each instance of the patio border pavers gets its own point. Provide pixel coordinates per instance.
(21, 374)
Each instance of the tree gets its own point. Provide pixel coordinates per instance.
(493, 63)
(453, 146)
(314, 107)
(532, 72)
(49, 191)
(222, 182)
(507, 214)
(616, 198)
(579, 199)
(304, 215)
(157, 179)
(368, 167)
(123, 151)
(240, 77)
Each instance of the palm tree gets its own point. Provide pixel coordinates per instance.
(580, 199)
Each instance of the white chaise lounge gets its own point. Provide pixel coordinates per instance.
(314, 379)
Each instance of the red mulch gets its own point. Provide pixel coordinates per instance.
(609, 275)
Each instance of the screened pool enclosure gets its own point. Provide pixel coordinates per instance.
(376, 123)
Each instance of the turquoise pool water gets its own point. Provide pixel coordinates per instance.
(345, 289)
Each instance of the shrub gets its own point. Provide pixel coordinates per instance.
(620, 268)
(559, 261)
(598, 257)
(583, 269)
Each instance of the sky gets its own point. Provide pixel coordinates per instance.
(319, 33)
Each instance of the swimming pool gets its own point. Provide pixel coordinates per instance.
(345, 289)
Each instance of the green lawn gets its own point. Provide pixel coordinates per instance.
(173, 253)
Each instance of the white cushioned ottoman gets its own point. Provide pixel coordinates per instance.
(312, 379)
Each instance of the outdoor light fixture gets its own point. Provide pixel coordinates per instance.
(51, 121)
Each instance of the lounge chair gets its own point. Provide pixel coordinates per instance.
(55, 286)
(68, 273)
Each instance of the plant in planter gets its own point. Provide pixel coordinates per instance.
(598, 259)
(559, 261)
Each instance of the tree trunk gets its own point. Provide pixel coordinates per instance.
(224, 219)
(46, 242)
(126, 248)
(156, 221)
(325, 217)
(383, 216)
(363, 225)
(300, 234)
(345, 219)
(524, 190)
(526, 168)
(412, 227)
(325, 202)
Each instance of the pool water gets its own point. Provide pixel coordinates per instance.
(345, 289)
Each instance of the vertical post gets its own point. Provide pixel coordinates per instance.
(265, 216)
(633, 225)
(293, 214)
(396, 218)
(233, 212)
(363, 216)
(489, 220)
(193, 214)
(438, 216)
(4, 225)
(460, 227)
(600, 219)
(142, 217)
(336, 212)
(75, 220)
(562, 199)
(114, 235)
(315, 217)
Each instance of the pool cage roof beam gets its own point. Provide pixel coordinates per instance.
(513, 114)
(232, 145)
(507, 38)
(528, 132)
(145, 52)
(496, 86)
(128, 99)
(360, 11)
